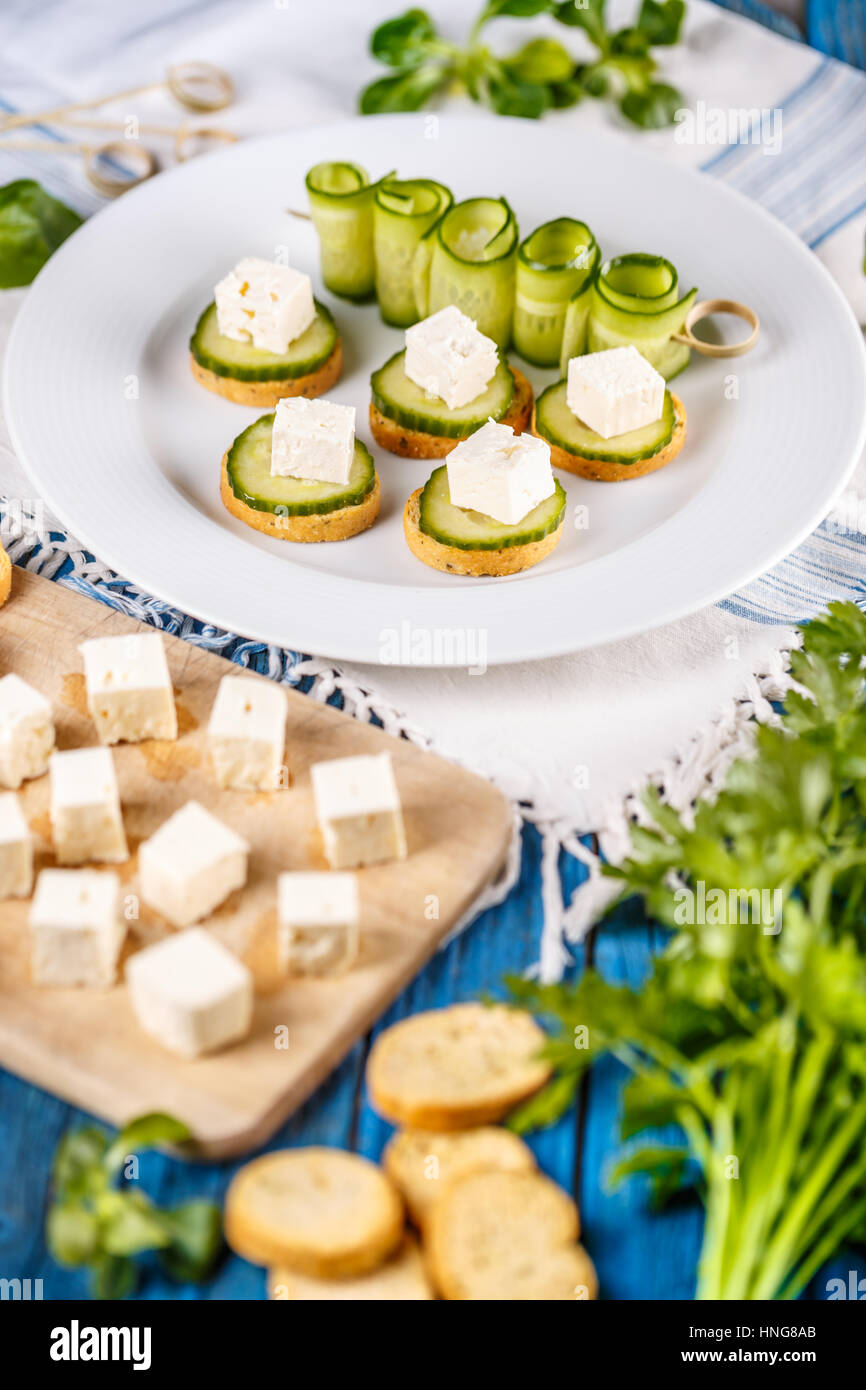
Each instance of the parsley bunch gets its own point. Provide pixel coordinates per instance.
(750, 1034)
(540, 75)
(92, 1222)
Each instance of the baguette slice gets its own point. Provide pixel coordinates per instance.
(5, 576)
(318, 1211)
(507, 1237)
(456, 1068)
(403, 1278)
(421, 1163)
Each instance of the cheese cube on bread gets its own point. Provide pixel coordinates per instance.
(264, 303)
(615, 391)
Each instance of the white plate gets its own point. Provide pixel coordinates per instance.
(125, 447)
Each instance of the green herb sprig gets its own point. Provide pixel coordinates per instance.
(750, 1034)
(540, 75)
(94, 1223)
(32, 226)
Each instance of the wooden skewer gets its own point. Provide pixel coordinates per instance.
(181, 81)
(39, 117)
(719, 306)
(87, 124)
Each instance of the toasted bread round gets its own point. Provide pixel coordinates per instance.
(422, 1163)
(495, 1237)
(602, 470)
(416, 444)
(402, 1278)
(478, 563)
(318, 1211)
(265, 394)
(324, 526)
(456, 1068)
(5, 576)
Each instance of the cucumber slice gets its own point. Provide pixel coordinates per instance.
(407, 403)
(228, 357)
(341, 204)
(554, 264)
(556, 423)
(469, 530)
(404, 211)
(634, 300)
(574, 332)
(474, 250)
(250, 478)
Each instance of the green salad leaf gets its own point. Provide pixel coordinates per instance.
(749, 1036)
(32, 226)
(93, 1222)
(540, 75)
(398, 42)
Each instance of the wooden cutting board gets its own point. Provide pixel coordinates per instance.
(85, 1045)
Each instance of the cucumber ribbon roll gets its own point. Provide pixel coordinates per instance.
(341, 203)
(634, 300)
(403, 211)
(468, 259)
(556, 265)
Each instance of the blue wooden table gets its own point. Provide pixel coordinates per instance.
(639, 1254)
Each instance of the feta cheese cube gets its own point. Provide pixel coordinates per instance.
(358, 810)
(129, 692)
(85, 807)
(313, 439)
(26, 732)
(247, 733)
(191, 864)
(318, 922)
(16, 849)
(500, 473)
(190, 993)
(614, 391)
(264, 303)
(76, 930)
(448, 357)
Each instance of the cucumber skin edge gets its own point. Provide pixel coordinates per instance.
(212, 364)
(428, 423)
(507, 544)
(310, 509)
(623, 459)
